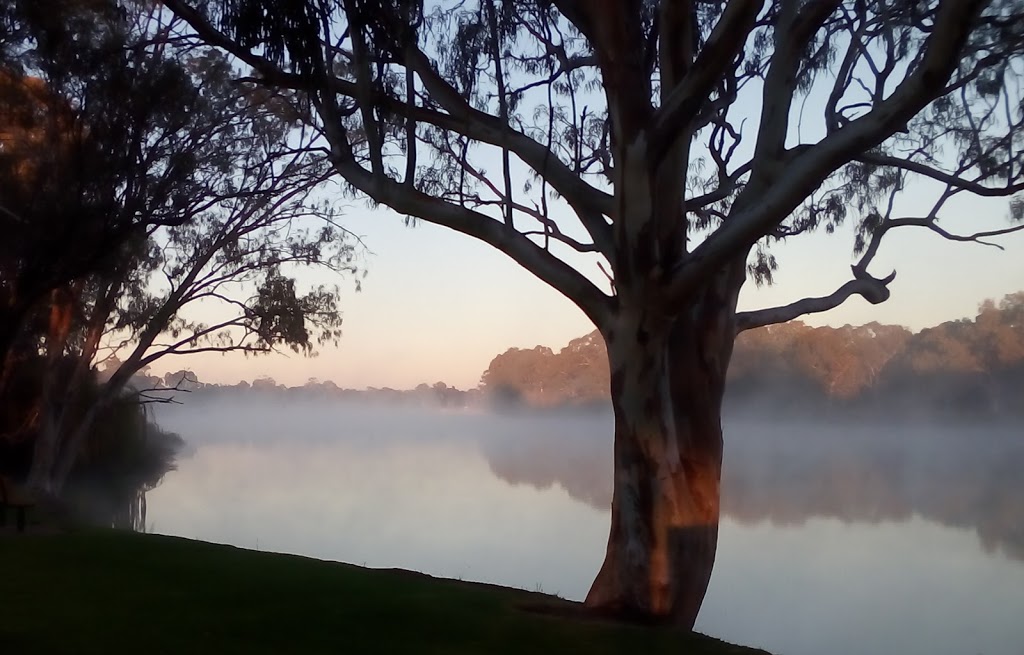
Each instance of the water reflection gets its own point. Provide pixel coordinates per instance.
(959, 476)
(383, 494)
(849, 541)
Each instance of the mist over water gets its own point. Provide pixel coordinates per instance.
(887, 538)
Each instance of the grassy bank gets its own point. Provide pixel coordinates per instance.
(108, 592)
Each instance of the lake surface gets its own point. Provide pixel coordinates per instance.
(842, 540)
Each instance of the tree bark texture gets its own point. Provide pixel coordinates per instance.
(667, 384)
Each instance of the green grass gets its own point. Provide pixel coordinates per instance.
(109, 592)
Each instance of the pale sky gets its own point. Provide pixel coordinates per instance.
(438, 306)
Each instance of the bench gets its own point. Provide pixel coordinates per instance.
(11, 497)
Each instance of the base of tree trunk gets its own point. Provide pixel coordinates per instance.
(618, 593)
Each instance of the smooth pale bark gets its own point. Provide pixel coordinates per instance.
(56, 450)
(667, 383)
(72, 446)
(61, 441)
(44, 454)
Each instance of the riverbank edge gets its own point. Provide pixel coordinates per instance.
(87, 591)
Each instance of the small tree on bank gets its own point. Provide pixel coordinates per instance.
(151, 205)
(671, 142)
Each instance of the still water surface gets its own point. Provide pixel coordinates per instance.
(846, 540)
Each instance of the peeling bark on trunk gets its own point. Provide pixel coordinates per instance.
(668, 378)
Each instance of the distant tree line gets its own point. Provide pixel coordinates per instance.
(968, 366)
(174, 384)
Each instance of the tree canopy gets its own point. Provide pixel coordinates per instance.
(151, 206)
(856, 101)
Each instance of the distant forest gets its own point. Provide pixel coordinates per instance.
(969, 367)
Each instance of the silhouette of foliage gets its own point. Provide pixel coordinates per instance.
(138, 181)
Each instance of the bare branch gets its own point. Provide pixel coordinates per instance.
(692, 92)
(499, 77)
(532, 257)
(761, 207)
(954, 180)
(364, 89)
(977, 237)
(589, 203)
(797, 26)
(873, 290)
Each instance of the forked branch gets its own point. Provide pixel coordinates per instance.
(761, 208)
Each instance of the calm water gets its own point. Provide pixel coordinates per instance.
(856, 540)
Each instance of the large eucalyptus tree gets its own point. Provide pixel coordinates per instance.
(672, 142)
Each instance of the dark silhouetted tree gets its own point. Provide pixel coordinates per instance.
(139, 181)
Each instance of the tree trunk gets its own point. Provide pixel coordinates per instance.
(668, 378)
(58, 445)
(44, 453)
(11, 319)
(71, 445)
(8, 331)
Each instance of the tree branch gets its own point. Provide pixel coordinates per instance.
(759, 208)
(684, 102)
(977, 237)
(589, 203)
(951, 179)
(797, 26)
(564, 278)
(873, 290)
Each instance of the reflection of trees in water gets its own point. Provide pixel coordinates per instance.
(961, 477)
(128, 458)
(584, 472)
(123, 509)
(134, 515)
